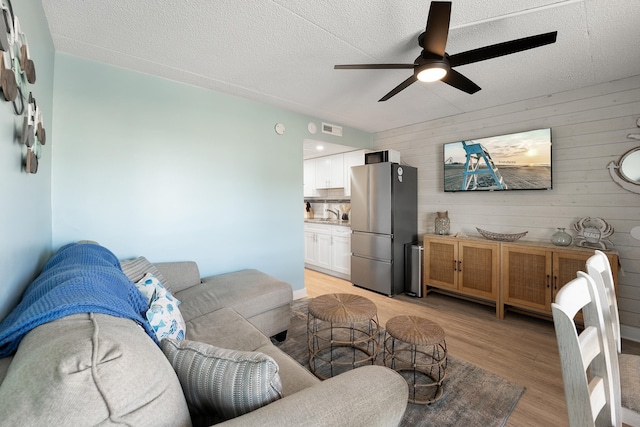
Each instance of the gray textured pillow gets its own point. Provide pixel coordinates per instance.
(226, 382)
(135, 269)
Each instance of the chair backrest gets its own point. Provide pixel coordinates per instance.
(599, 269)
(589, 370)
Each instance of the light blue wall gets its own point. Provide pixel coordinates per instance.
(25, 199)
(151, 167)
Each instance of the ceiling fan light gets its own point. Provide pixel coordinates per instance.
(432, 74)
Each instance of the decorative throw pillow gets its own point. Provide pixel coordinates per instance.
(165, 317)
(226, 382)
(151, 288)
(135, 269)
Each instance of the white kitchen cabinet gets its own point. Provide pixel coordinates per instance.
(317, 245)
(330, 171)
(327, 248)
(309, 247)
(309, 177)
(341, 249)
(324, 250)
(352, 158)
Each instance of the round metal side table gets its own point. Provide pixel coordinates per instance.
(416, 348)
(343, 333)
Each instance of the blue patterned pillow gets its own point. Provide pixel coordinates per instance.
(163, 314)
(150, 286)
(165, 318)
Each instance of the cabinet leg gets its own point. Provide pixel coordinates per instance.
(500, 310)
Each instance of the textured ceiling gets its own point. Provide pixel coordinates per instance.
(282, 52)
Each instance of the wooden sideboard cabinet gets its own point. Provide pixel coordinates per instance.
(532, 273)
(520, 275)
(465, 266)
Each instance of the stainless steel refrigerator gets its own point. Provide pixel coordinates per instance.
(384, 217)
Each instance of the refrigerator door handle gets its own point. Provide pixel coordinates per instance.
(386, 261)
(366, 233)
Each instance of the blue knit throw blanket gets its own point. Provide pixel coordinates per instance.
(79, 278)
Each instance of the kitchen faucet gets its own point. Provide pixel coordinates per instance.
(333, 212)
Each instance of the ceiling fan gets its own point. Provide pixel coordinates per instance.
(435, 64)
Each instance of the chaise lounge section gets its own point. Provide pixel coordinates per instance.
(259, 298)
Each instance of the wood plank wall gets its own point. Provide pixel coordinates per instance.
(589, 130)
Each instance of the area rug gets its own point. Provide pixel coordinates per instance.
(472, 396)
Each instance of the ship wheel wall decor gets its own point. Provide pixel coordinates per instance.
(17, 73)
(626, 172)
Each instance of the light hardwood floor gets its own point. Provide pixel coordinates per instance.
(520, 348)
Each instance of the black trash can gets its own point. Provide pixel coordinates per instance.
(414, 260)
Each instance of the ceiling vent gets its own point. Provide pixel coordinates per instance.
(332, 129)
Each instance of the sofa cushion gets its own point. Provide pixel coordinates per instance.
(226, 382)
(249, 292)
(227, 329)
(91, 369)
(179, 275)
(135, 269)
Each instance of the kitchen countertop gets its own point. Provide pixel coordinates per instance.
(329, 222)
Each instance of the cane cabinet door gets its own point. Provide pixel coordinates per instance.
(526, 277)
(440, 262)
(465, 266)
(478, 269)
(565, 267)
(567, 263)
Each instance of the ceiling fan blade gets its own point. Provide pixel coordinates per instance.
(457, 80)
(400, 87)
(435, 35)
(501, 49)
(372, 66)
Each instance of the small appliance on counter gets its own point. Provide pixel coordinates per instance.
(392, 156)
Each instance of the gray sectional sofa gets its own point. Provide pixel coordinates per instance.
(97, 369)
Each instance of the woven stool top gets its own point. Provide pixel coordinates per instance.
(342, 308)
(415, 330)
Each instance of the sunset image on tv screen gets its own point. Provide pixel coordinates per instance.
(518, 161)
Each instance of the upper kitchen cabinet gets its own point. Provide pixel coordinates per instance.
(352, 158)
(310, 178)
(330, 171)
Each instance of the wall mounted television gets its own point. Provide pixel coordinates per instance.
(516, 161)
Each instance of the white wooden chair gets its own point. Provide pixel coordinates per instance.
(600, 271)
(590, 377)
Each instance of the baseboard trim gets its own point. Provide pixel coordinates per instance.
(300, 293)
(630, 333)
(328, 272)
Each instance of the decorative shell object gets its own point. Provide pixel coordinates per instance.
(501, 237)
(593, 233)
